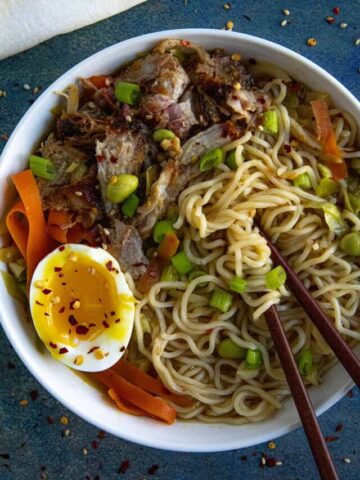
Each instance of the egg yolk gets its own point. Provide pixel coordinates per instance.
(78, 301)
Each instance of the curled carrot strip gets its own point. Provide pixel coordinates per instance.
(30, 237)
(153, 406)
(57, 222)
(123, 405)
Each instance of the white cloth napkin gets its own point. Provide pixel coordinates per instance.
(25, 23)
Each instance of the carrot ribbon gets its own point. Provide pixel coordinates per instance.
(26, 222)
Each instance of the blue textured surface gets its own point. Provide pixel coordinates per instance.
(33, 447)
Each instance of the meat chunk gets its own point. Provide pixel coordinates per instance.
(122, 151)
(248, 104)
(159, 74)
(125, 244)
(172, 180)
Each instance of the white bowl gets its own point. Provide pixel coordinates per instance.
(60, 381)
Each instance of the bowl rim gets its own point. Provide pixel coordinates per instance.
(156, 441)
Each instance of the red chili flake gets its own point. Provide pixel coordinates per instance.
(99, 158)
(38, 303)
(105, 323)
(82, 330)
(34, 395)
(53, 345)
(113, 160)
(72, 320)
(50, 420)
(340, 115)
(234, 97)
(350, 394)
(153, 469)
(112, 313)
(62, 248)
(63, 350)
(336, 10)
(339, 427)
(57, 269)
(101, 435)
(109, 265)
(124, 467)
(209, 331)
(92, 325)
(62, 310)
(330, 19)
(331, 438)
(93, 349)
(95, 444)
(261, 100)
(185, 43)
(46, 291)
(106, 316)
(267, 461)
(287, 148)
(117, 320)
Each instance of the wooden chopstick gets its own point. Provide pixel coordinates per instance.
(343, 352)
(302, 401)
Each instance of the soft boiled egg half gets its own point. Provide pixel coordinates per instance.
(82, 307)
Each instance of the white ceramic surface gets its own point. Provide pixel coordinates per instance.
(68, 388)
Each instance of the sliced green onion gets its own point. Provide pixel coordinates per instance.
(195, 274)
(163, 134)
(229, 349)
(130, 205)
(42, 167)
(355, 164)
(126, 92)
(169, 274)
(313, 376)
(303, 181)
(161, 229)
(182, 263)
(253, 358)
(9, 254)
(305, 362)
(221, 300)
(18, 270)
(211, 159)
(124, 186)
(12, 285)
(238, 285)
(230, 160)
(350, 244)
(333, 219)
(326, 187)
(354, 203)
(325, 171)
(270, 122)
(275, 278)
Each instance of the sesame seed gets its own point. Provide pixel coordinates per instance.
(286, 12)
(346, 460)
(261, 128)
(278, 463)
(39, 284)
(91, 270)
(26, 86)
(271, 445)
(1, 93)
(78, 360)
(229, 25)
(343, 25)
(263, 461)
(36, 90)
(64, 420)
(85, 451)
(107, 82)
(55, 300)
(236, 57)
(106, 231)
(24, 402)
(128, 118)
(237, 86)
(104, 246)
(312, 42)
(227, 6)
(78, 193)
(73, 257)
(99, 354)
(357, 42)
(76, 304)
(66, 433)
(283, 23)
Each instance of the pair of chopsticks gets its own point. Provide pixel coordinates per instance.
(343, 352)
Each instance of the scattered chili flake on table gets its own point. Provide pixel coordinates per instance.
(65, 433)
(271, 445)
(229, 25)
(85, 451)
(64, 420)
(4, 136)
(124, 467)
(50, 420)
(331, 438)
(312, 42)
(24, 402)
(34, 395)
(227, 6)
(336, 10)
(346, 460)
(95, 444)
(343, 25)
(350, 393)
(330, 19)
(339, 427)
(101, 435)
(153, 469)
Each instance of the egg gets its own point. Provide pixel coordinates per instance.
(82, 307)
